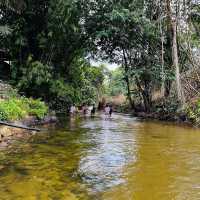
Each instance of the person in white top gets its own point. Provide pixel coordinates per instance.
(85, 109)
(107, 110)
(72, 110)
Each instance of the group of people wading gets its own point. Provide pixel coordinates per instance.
(89, 110)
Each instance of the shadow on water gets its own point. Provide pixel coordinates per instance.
(118, 158)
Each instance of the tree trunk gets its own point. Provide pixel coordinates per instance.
(162, 62)
(176, 63)
(131, 102)
(162, 54)
(175, 58)
(167, 88)
(145, 95)
(168, 48)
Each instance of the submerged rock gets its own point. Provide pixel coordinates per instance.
(10, 134)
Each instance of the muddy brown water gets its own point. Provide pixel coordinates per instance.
(121, 158)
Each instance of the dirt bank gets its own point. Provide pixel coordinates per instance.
(9, 134)
(179, 118)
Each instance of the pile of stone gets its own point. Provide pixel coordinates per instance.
(5, 90)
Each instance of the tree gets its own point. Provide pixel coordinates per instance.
(15, 6)
(115, 83)
(127, 39)
(173, 23)
(50, 41)
(47, 45)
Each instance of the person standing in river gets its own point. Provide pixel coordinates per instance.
(85, 109)
(111, 110)
(93, 111)
(72, 110)
(107, 110)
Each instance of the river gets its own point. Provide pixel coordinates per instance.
(121, 158)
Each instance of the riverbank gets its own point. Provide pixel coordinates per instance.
(10, 134)
(161, 117)
(21, 111)
(175, 117)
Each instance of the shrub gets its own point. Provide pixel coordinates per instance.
(193, 111)
(18, 108)
(3, 114)
(37, 108)
(11, 110)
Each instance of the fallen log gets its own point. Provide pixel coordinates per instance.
(19, 126)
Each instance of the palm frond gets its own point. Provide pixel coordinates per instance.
(14, 5)
(5, 30)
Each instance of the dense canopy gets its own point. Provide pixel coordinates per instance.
(51, 43)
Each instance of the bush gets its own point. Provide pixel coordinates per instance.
(37, 108)
(11, 110)
(18, 108)
(193, 111)
(3, 114)
(167, 106)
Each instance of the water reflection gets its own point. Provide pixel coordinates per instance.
(104, 159)
(165, 157)
(103, 164)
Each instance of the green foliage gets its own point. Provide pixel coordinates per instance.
(5, 30)
(49, 42)
(3, 114)
(83, 86)
(19, 108)
(12, 109)
(193, 111)
(167, 106)
(62, 94)
(123, 108)
(48, 57)
(37, 108)
(115, 84)
(35, 73)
